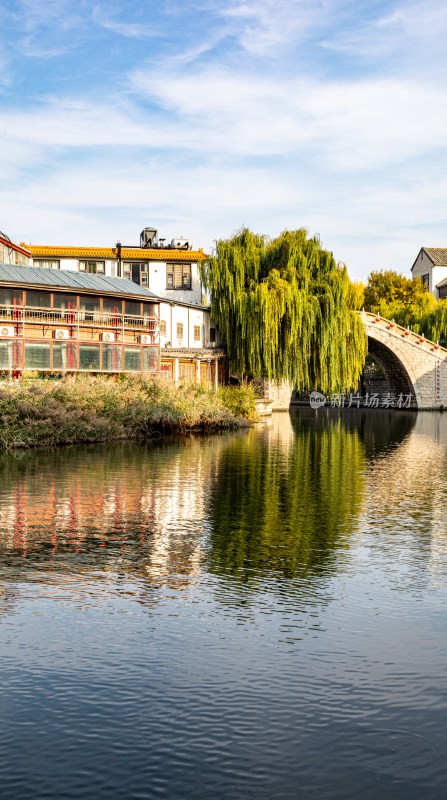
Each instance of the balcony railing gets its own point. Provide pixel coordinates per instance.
(66, 317)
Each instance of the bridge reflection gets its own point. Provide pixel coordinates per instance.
(285, 498)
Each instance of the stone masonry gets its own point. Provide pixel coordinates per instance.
(411, 363)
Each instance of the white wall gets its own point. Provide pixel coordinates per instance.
(157, 284)
(424, 266)
(189, 317)
(157, 278)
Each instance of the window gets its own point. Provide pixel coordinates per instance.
(37, 355)
(90, 357)
(426, 280)
(197, 333)
(6, 354)
(111, 305)
(89, 303)
(137, 272)
(179, 330)
(38, 299)
(47, 264)
(212, 334)
(149, 310)
(150, 359)
(163, 327)
(133, 308)
(178, 276)
(443, 292)
(93, 267)
(132, 359)
(64, 301)
(11, 297)
(65, 355)
(112, 357)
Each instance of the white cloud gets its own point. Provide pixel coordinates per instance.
(132, 30)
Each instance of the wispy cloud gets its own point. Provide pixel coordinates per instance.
(214, 113)
(141, 29)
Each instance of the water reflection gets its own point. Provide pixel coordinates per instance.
(257, 615)
(280, 499)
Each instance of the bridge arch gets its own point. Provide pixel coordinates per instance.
(409, 361)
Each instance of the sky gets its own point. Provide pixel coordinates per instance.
(203, 116)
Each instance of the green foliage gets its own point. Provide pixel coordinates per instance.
(409, 303)
(97, 408)
(355, 296)
(282, 308)
(392, 289)
(240, 400)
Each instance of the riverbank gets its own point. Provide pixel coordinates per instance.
(99, 408)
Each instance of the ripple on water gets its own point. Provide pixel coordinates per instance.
(254, 615)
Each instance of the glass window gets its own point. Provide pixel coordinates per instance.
(178, 276)
(197, 333)
(11, 297)
(166, 369)
(443, 292)
(47, 264)
(65, 301)
(127, 270)
(37, 355)
(93, 267)
(132, 359)
(65, 355)
(163, 327)
(89, 303)
(149, 310)
(133, 308)
(38, 299)
(89, 357)
(112, 305)
(150, 359)
(6, 354)
(426, 280)
(179, 330)
(112, 357)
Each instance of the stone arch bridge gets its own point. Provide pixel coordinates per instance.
(412, 365)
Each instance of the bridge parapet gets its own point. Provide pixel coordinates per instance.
(411, 362)
(403, 334)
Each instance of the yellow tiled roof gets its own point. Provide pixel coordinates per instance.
(127, 254)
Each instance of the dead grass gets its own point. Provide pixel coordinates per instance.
(99, 408)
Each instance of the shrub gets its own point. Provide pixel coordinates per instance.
(98, 408)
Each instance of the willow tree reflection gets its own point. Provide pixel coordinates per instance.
(286, 499)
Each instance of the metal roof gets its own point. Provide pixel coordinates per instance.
(67, 279)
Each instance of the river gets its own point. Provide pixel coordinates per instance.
(251, 615)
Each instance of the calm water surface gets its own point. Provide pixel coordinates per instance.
(251, 615)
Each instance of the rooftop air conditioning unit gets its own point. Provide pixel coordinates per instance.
(107, 337)
(7, 330)
(146, 338)
(148, 237)
(181, 244)
(61, 333)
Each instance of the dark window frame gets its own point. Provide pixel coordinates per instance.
(179, 276)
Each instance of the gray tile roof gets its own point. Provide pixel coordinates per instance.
(438, 255)
(66, 279)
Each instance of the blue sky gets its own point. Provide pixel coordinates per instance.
(200, 117)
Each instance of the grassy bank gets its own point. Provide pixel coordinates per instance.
(98, 409)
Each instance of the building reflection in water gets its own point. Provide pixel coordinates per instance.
(283, 498)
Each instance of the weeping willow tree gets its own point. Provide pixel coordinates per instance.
(282, 307)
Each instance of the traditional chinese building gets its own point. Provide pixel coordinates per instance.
(165, 276)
